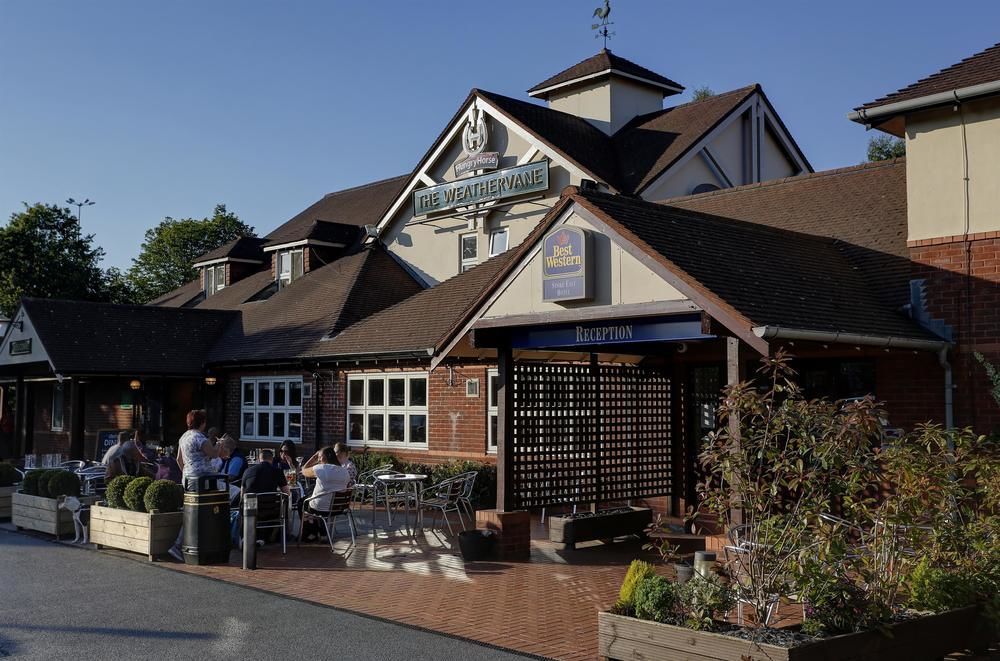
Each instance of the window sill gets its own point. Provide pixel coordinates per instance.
(387, 446)
(257, 439)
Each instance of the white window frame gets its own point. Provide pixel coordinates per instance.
(506, 241)
(492, 410)
(286, 278)
(58, 407)
(213, 284)
(466, 263)
(407, 410)
(255, 409)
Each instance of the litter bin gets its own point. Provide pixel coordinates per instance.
(476, 544)
(207, 539)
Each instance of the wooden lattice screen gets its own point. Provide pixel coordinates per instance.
(583, 434)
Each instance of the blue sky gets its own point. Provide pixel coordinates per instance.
(160, 109)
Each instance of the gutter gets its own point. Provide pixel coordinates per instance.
(868, 116)
(885, 342)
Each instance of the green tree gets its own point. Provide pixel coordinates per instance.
(44, 253)
(884, 147)
(164, 261)
(701, 93)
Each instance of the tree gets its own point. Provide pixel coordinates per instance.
(884, 147)
(44, 253)
(164, 261)
(701, 93)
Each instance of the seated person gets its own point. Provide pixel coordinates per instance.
(287, 458)
(234, 462)
(262, 477)
(148, 453)
(115, 450)
(344, 459)
(126, 461)
(330, 478)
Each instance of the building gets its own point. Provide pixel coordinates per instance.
(566, 288)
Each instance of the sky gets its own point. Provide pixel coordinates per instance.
(155, 109)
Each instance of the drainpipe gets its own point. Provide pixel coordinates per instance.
(949, 392)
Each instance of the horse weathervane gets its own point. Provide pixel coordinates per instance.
(602, 28)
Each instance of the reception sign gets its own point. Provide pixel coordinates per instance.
(566, 265)
(624, 331)
(499, 185)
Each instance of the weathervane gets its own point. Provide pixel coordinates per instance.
(602, 27)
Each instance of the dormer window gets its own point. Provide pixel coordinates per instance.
(290, 266)
(215, 279)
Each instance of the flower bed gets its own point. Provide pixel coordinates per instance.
(587, 526)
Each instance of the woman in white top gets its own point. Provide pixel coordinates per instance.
(329, 475)
(194, 456)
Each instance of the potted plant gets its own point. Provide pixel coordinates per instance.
(656, 533)
(9, 477)
(570, 529)
(35, 506)
(139, 515)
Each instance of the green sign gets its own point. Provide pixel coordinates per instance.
(499, 185)
(20, 347)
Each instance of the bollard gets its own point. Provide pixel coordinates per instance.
(250, 531)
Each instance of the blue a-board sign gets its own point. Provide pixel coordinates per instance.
(618, 331)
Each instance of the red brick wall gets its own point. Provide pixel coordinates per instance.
(963, 290)
(912, 387)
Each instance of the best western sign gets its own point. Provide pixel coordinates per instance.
(499, 185)
(566, 267)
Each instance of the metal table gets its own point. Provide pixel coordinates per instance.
(405, 482)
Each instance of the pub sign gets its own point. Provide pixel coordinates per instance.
(567, 272)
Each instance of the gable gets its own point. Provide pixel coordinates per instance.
(23, 339)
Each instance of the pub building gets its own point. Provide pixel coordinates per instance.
(564, 285)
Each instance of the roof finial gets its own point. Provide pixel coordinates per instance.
(602, 27)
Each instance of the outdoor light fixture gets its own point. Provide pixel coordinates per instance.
(210, 380)
(135, 384)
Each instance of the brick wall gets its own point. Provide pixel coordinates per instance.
(963, 290)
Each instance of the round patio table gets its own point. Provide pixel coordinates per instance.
(406, 482)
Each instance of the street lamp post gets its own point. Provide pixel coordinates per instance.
(79, 206)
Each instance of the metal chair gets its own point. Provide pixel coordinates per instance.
(73, 465)
(465, 500)
(340, 505)
(444, 497)
(365, 485)
(272, 509)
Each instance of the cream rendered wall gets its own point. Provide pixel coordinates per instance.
(619, 278)
(431, 248)
(774, 164)
(630, 100)
(593, 103)
(608, 104)
(729, 149)
(935, 166)
(38, 353)
(682, 180)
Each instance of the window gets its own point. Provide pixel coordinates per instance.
(215, 279)
(498, 242)
(387, 409)
(58, 407)
(290, 266)
(271, 409)
(469, 250)
(492, 411)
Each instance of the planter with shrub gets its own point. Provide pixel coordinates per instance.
(9, 477)
(139, 515)
(571, 529)
(36, 505)
(825, 561)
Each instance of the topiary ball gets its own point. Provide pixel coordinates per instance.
(8, 475)
(43, 482)
(29, 485)
(135, 492)
(164, 496)
(115, 493)
(63, 483)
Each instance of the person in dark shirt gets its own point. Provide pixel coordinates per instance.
(261, 477)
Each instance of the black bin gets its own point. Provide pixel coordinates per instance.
(476, 544)
(206, 521)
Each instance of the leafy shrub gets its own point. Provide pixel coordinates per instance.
(638, 570)
(368, 460)
(43, 482)
(63, 483)
(836, 603)
(115, 493)
(936, 589)
(29, 484)
(164, 496)
(703, 598)
(656, 599)
(135, 493)
(8, 475)
(484, 490)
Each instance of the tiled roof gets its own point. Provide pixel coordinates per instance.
(649, 144)
(292, 323)
(184, 296)
(983, 67)
(238, 293)
(863, 207)
(359, 206)
(325, 231)
(769, 276)
(102, 338)
(247, 247)
(605, 61)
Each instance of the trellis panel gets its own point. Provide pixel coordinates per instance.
(585, 434)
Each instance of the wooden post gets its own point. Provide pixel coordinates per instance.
(732, 378)
(75, 419)
(20, 438)
(505, 428)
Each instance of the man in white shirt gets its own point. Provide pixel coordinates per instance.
(329, 475)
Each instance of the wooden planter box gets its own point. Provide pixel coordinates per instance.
(42, 514)
(931, 637)
(6, 501)
(569, 531)
(141, 532)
